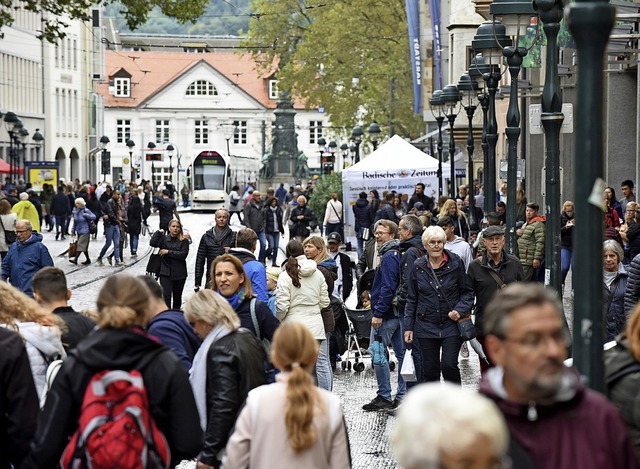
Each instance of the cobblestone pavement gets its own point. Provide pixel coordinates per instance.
(368, 431)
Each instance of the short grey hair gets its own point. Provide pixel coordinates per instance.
(391, 225)
(433, 232)
(613, 246)
(413, 224)
(27, 224)
(513, 297)
(450, 410)
(80, 201)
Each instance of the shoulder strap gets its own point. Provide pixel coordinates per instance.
(438, 285)
(335, 211)
(419, 251)
(2, 224)
(621, 373)
(254, 318)
(497, 278)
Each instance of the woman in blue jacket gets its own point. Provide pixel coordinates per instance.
(439, 295)
(82, 216)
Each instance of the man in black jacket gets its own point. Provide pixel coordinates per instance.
(50, 291)
(214, 242)
(167, 209)
(364, 220)
(491, 273)
(344, 284)
(61, 209)
(254, 219)
(420, 196)
(19, 405)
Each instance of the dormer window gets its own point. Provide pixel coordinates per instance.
(273, 89)
(202, 88)
(122, 87)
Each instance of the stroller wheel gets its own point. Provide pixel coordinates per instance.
(349, 366)
(392, 366)
(358, 367)
(344, 365)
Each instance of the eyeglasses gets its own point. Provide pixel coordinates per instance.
(536, 342)
(22, 231)
(433, 244)
(377, 234)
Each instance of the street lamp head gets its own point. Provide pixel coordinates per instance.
(374, 131)
(345, 149)
(322, 143)
(130, 144)
(38, 138)
(23, 134)
(436, 103)
(151, 145)
(17, 127)
(468, 88)
(490, 39)
(10, 118)
(170, 150)
(450, 98)
(356, 134)
(228, 129)
(104, 141)
(332, 146)
(513, 14)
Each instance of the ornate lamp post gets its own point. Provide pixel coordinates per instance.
(333, 147)
(38, 141)
(130, 144)
(513, 14)
(490, 39)
(151, 146)
(23, 138)
(170, 150)
(451, 99)
(437, 107)
(344, 148)
(105, 159)
(322, 145)
(228, 130)
(374, 134)
(356, 137)
(469, 89)
(590, 23)
(10, 119)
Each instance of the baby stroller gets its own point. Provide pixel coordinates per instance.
(359, 321)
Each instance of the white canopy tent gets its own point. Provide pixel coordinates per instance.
(395, 166)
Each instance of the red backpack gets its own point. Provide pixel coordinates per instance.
(116, 429)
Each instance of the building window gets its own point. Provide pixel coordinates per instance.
(202, 132)
(194, 50)
(202, 88)
(123, 130)
(240, 134)
(273, 89)
(123, 87)
(162, 131)
(315, 132)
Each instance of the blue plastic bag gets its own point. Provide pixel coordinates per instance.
(377, 349)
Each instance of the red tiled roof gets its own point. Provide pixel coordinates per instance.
(151, 71)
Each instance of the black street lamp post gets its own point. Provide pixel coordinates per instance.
(590, 23)
(38, 141)
(513, 14)
(469, 89)
(344, 148)
(130, 145)
(356, 137)
(23, 138)
(105, 160)
(374, 134)
(490, 38)
(322, 144)
(437, 106)
(477, 71)
(151, 146)
(451, 99)
(10, 120)
(170, 150)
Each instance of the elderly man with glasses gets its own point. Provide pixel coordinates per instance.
(25, 257)
(553, 419)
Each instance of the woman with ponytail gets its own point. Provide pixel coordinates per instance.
(290, 421)
(120, 343)
(301, 293)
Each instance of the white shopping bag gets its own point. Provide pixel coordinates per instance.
(408, 371)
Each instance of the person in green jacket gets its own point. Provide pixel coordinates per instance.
(531, 242)
(27, 211)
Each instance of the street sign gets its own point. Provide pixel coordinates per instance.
(535, 121)
(504, 166)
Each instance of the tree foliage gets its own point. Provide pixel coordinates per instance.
(57, 13)
(349, 56)
(322, 190)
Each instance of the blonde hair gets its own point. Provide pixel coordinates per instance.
(295, 350)
(123, 302)
(16, 306)
(211, 307)
(181, 233)
(237, 264)
(449, 410)
(444, 210)
(318, 242)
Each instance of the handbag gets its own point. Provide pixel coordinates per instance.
(9, 236)
(408, 370)
(465, 324)
(93, 228)
(154, 264)
(73, 248)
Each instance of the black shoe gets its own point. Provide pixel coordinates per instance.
(110, 259)
(87, 262)
(62, 237)
(396, 403)
(74, 261)
(57, 236)
(378, 403)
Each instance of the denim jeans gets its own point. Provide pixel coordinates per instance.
(431, 364)
(360, 246)
(263, 246)
(274, 240)
(391, 333)
(566, 261)
(332, 228)
(61, 224)
(323, 366)
(134, 242)
(112, 233)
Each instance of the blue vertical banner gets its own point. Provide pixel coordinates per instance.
(434, 9)
(413, 21)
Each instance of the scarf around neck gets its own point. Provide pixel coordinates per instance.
(237, 298)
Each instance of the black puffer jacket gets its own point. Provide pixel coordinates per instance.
(411, 249)
(171, 400)
(267, 322)
(633, 236)
(212, 245)
(362, 213)
(173, 263)
(632, 293)
(300, 227)
(269, 215)
(236, 364)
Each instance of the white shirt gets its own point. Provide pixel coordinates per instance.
(330, 215)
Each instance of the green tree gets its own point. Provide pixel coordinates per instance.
(349, 56)
(57, 13)
(326, 185)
